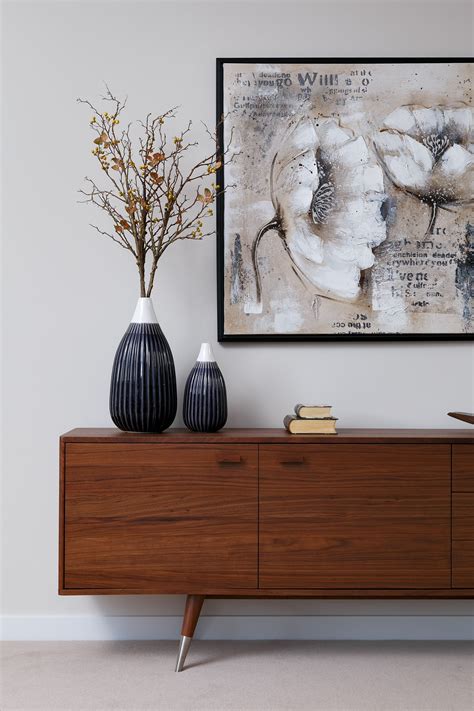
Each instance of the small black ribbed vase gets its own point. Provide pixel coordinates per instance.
(143, 384)
(205, 398)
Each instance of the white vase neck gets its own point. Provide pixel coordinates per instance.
(144, 311)
(205, 354)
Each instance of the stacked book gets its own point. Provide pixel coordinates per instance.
(311, 419)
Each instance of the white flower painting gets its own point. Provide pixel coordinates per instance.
(348, 204)
(428, 153)
(327, 191)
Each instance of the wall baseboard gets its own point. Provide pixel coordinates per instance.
(318, 627)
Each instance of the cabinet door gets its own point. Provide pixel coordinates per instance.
(355, 516)
(160, 518)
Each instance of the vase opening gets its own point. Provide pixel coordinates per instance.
(144, 311)
(205, 354)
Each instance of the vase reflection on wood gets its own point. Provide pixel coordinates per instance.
(205, 397)
(143, 394)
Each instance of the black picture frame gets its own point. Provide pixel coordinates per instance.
(223, 337)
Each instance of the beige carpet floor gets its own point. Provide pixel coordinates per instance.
(238, 676)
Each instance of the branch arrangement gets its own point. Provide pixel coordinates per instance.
(152, 195)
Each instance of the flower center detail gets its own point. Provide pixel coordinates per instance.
(437, 145)
(322, 202)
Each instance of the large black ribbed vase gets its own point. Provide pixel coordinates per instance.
(143, 384)
(205, 397)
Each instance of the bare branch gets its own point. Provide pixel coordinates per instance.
(108, 234)
(150, 199)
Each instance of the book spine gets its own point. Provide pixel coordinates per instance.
(287, 422)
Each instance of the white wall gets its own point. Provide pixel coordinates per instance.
(69, 293)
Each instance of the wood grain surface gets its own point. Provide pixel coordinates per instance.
(463, 564)
(355, 516)
(160, 516)
(463, 467)
(192, 610)
(273, 436)
(461, 592)
(463, 517)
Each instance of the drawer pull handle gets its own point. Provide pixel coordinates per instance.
(293, 462)
(230, 459)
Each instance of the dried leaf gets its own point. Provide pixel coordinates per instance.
(103, 138)
(206, 198)
(156, 158)
(118, 163)
(157, 179)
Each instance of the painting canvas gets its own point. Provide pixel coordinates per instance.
(348, 203)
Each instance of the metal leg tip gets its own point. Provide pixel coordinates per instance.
(182, 652)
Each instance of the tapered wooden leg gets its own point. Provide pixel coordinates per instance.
(190, 620)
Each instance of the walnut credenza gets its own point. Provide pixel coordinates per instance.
(261, 513)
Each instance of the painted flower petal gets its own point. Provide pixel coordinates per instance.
(420, 122)
(335, 278)
(353, 251)
(294, 176)
(455, 161)
(364, 180)
(407, 162)
(401, 120)
(357, 229)
(292, 195)
(416, 121)
(360, 197)
(429, 121)
(354, 152)
(298, 140)
(302, 240)
(459, 123)
(331, 135)
(455, 171)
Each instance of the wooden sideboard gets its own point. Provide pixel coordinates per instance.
(261, 513)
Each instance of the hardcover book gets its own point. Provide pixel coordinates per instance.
(312, 411)
(323, 425)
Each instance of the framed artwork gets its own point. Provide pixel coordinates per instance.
(347, 212)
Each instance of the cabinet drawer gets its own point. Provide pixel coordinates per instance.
(463, 564)
(463, 517)
(160, 517)
(355, 516)
(463, 467)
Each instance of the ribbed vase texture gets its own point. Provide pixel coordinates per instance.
(143, 386)
(205, 398)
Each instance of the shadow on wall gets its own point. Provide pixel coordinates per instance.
(153, 617)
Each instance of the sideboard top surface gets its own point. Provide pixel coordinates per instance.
(273, 436)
